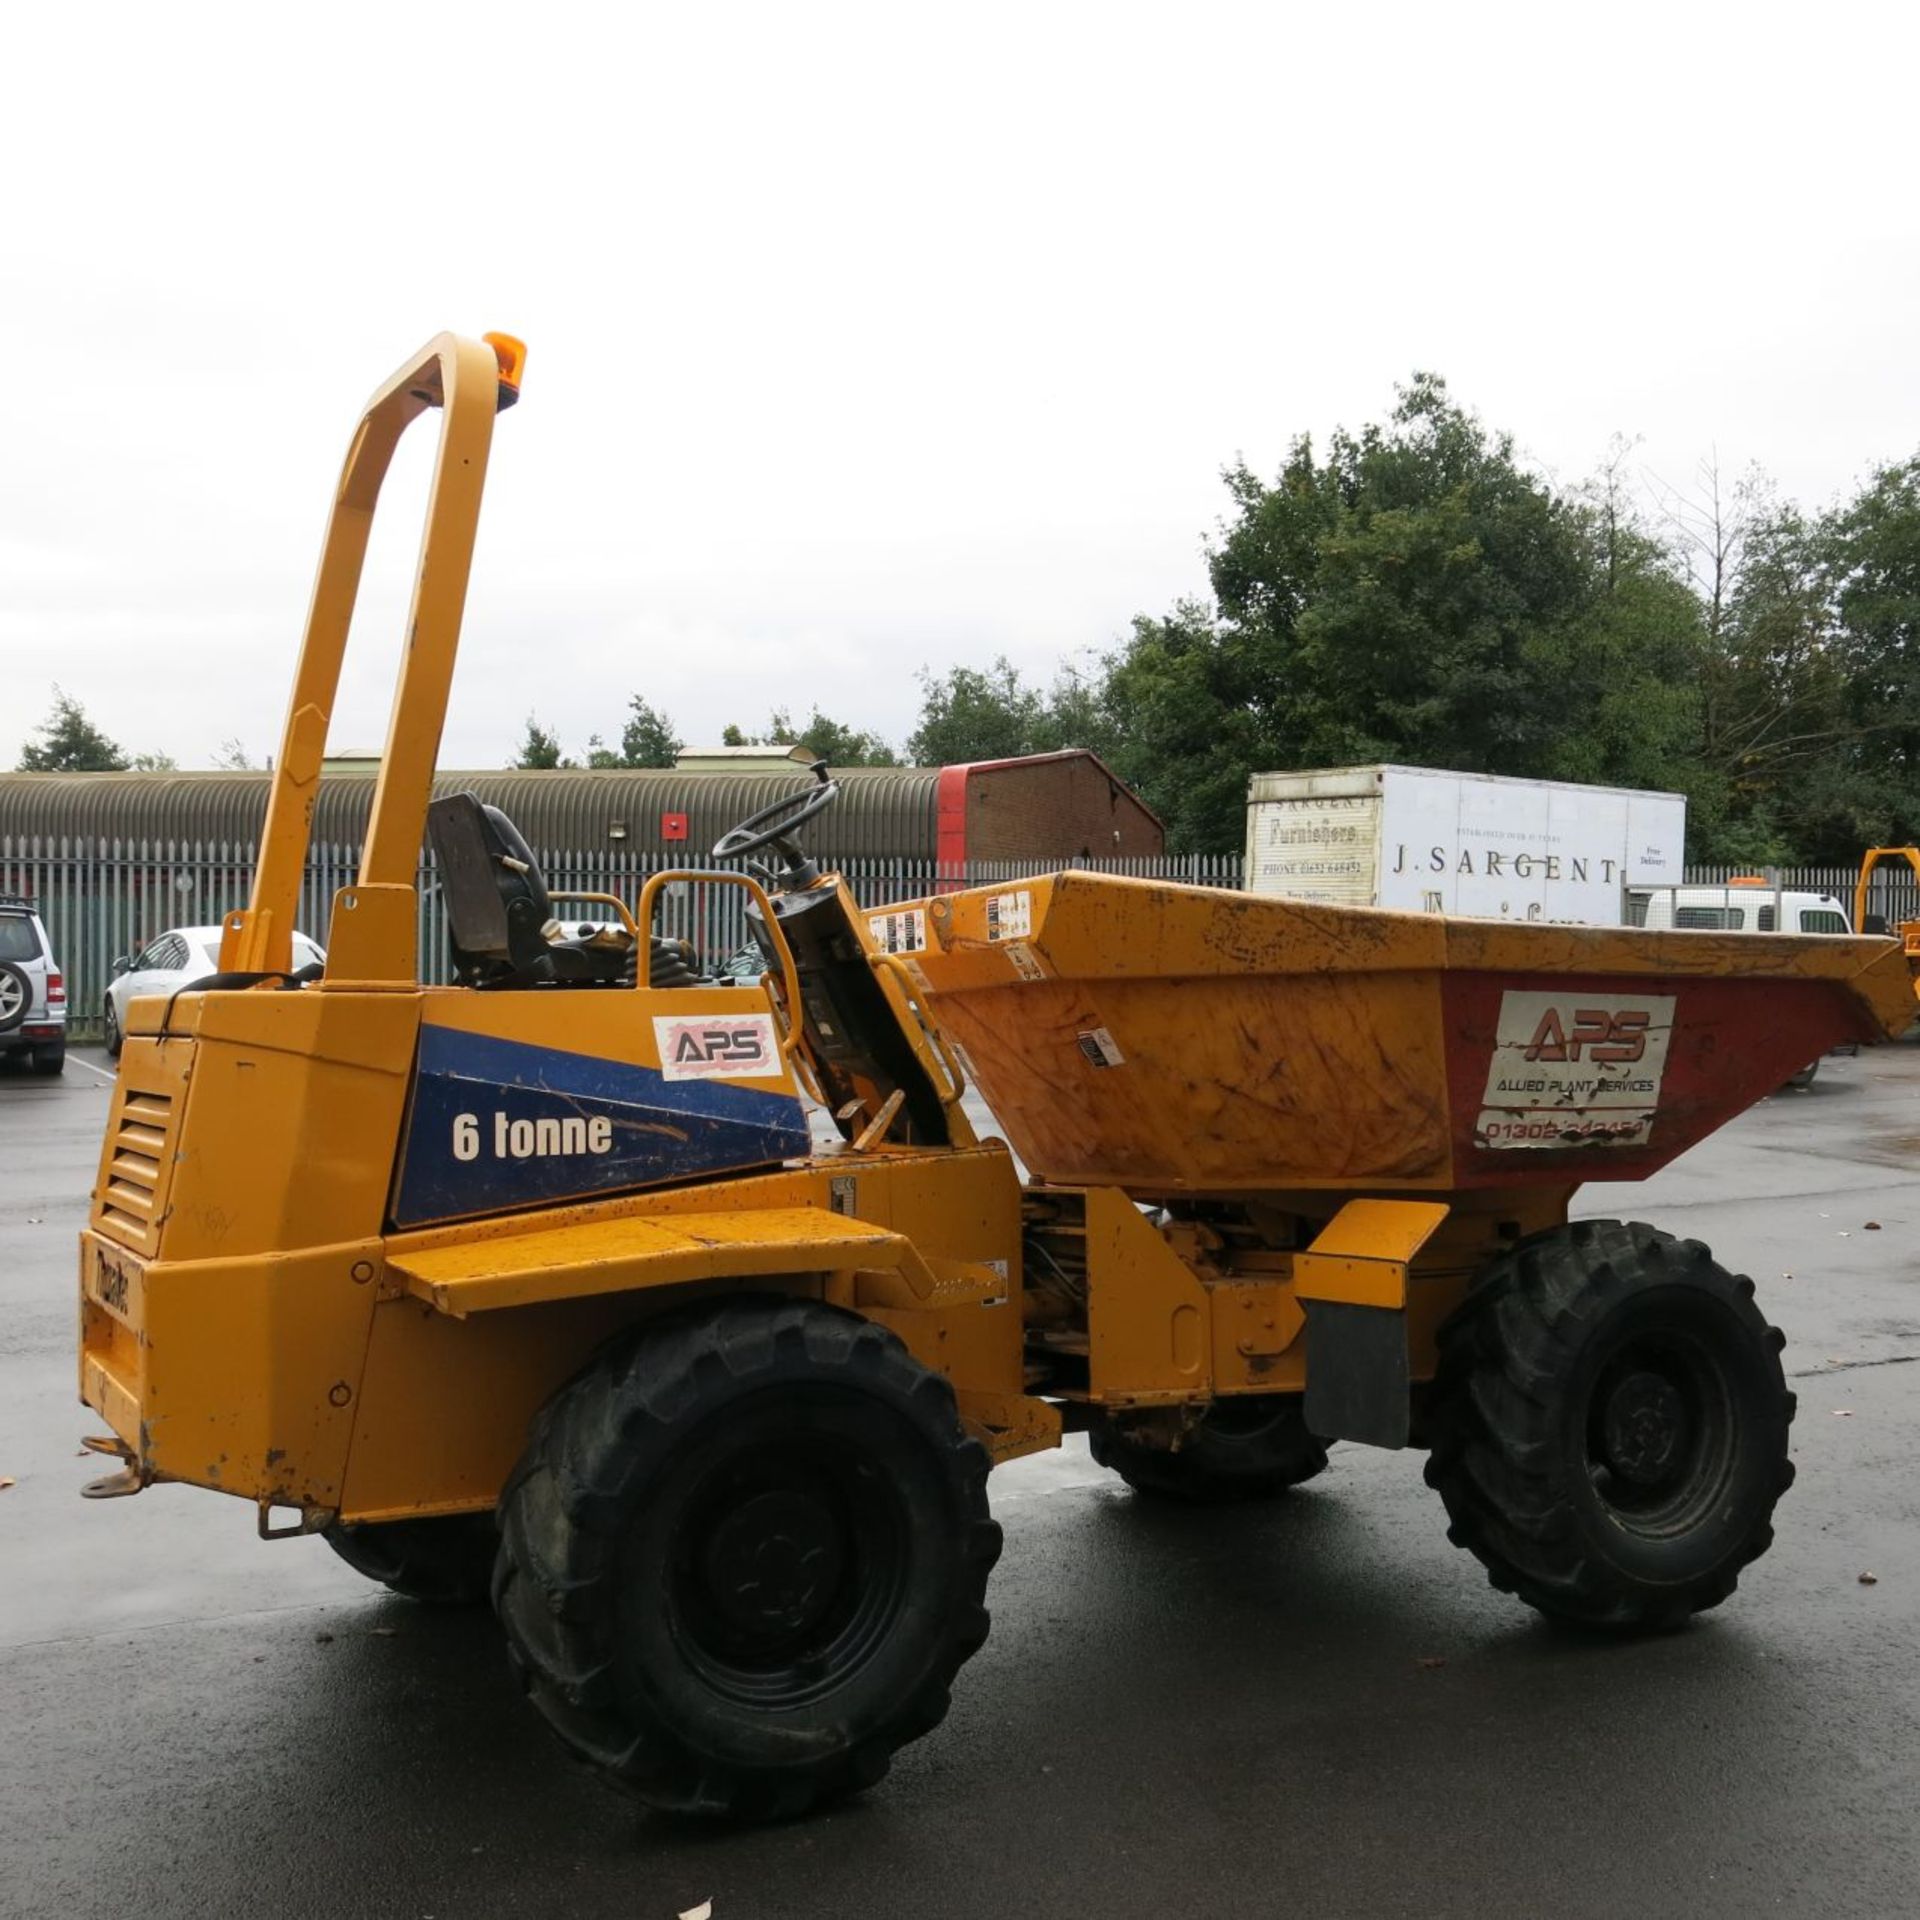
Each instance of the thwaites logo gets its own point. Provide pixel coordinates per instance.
(727, 1047)
(109, 1280)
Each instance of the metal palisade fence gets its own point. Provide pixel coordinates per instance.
(1893, 891)
(104, 898)
(101, 899)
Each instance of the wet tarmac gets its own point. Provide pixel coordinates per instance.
(1315, 1707)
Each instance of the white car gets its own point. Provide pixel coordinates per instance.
(174, 960)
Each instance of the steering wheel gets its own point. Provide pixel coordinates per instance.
(775, 825)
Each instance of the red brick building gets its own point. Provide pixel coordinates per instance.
(1044, 806)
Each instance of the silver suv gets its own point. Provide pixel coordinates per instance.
(33, 996)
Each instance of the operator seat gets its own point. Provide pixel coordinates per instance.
(499, 913)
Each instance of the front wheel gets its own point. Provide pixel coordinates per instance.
(1610, 1426)
(744, 1558)
(111, 1021)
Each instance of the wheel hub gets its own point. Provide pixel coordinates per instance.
(1646, 1429)
(774, 1564)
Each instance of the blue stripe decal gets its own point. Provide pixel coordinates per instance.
(497, 1124)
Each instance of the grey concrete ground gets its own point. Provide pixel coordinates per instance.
(1317, 1707)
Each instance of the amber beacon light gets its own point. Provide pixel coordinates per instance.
(512, 355)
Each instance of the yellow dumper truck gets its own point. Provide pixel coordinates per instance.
(536, 1286)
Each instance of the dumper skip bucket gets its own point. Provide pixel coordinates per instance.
(1172, 1039)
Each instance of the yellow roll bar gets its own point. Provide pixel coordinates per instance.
(470, 381)
(1871, 859)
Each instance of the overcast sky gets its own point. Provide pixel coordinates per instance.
(870, 339)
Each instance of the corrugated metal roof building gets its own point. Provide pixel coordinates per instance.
(1064, 804)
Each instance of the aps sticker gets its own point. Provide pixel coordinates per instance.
(1575, 1070)
(738, 1046)
(1100, 1048)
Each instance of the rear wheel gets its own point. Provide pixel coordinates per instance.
(1246, 1447)
(443, 1561)
(111, 1020)
(744, 1558)
(1610, 1426)
(16, 996)
(50, 1060)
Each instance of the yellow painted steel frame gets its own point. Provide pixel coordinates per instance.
(1909, 929)
(464, 379)
(1173, 1321)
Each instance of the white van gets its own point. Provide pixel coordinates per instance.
(1741, 906)
(1746, 904)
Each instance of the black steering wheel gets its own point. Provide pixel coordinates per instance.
(775, 826)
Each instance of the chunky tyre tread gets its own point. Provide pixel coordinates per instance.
(561, 1517)
(1494, 1462)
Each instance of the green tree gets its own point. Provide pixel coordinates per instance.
(155, 763)
(70, 743)
(967, 714)
(648, 738)
(540, 750)
(1397, 593)
(1872, 756)
(1773, 690)
(838, 744)
(1415, 594)
(1622, 671)
(1809, 707)
(1193, 720)
(1074, 713)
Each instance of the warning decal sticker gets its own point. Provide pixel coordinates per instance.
(1026, 963)
(1575, 1070)
(1100, 1048)
(1009, 915)
(902, 932)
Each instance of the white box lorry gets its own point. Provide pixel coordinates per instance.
(1427, 841)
